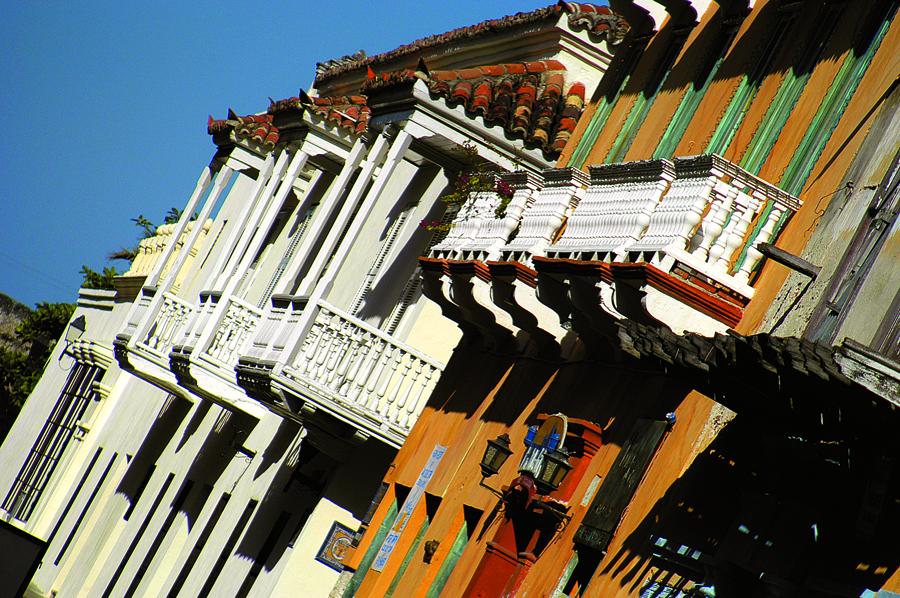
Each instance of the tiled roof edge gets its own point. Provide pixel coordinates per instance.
(599, 20)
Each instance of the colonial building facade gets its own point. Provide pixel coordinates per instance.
(678, 367)
(219, 423)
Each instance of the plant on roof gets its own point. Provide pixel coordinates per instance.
(479, 177)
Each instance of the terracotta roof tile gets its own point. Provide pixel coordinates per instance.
(349, 112)
(526, 99)
(598, 20)
(256, 127)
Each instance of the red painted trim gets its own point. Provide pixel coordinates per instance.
(513, 269)
(690, 295)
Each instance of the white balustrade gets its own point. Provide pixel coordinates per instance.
(237, 326)
(140, 312)
(476, 231)
(705, 221)
(554, 202)
(364, 370)
(275, 327)
(197, 321)
(169, 324)
(616, 209)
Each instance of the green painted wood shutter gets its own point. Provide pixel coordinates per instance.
(603, 516)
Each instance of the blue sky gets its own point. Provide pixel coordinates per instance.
(105, 108)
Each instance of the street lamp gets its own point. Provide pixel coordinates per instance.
(553, 470)
(495, 455)
(76, 329)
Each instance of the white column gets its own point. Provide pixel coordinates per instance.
(248, 248)
(201, 187)
(222, 179)
(325, 248)
(225, 250)
(324, 212)
(242, 233)
(317, 289)
(260, 220)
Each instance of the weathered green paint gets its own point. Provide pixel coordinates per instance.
(683, 116)
(643, 103)
(822, 126)
(564, 578)
(369, 557)
(831, 110)
(440, 580)
(592, 132)
(746, 92)
(409, 555)
(788, 94)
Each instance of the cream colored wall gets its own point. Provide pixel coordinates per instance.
(302, 574)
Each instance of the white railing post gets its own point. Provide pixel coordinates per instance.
(316, 288)
(221, 182)
(363, 370)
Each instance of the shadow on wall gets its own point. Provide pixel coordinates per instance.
(770, 510)
(160, 435)
(297, 488)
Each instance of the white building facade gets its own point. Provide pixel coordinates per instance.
(227, 413)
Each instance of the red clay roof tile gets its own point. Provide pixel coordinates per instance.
(256, 127)
(599, 20)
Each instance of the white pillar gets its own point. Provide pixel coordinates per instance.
(317, 289)
(324, 212)
(245, 224)
(201, 187)
(225, 250)
(222, 179)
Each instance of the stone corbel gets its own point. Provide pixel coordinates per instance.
(631, 293)
(435, 287)
(506, 282)
(594, 324)
(471, 293)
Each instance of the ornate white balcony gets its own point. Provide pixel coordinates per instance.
(615, 211)
(169, 325)
(361, 374)
(234, 330)
(562, 191)
(274, 330)
(711, 219)
(478, 232)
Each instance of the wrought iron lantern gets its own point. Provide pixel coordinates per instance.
(495, 455)
(76, 329)
(553, 470)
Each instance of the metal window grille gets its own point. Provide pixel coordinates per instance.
(52, 441)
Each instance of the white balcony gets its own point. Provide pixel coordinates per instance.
(478, 231)
(615, 211)
(701, 215)
(231, 334)
(168, 326)
(563, 189)
(361, 374)
(711, 219)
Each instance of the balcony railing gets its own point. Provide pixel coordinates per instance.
(563, 189)
(706, 221)
(235, 329)
(152, 248)
(274, 330)
(615, 211)
(169, 325)
(702, 213)
(363, 372)
(482, 227)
